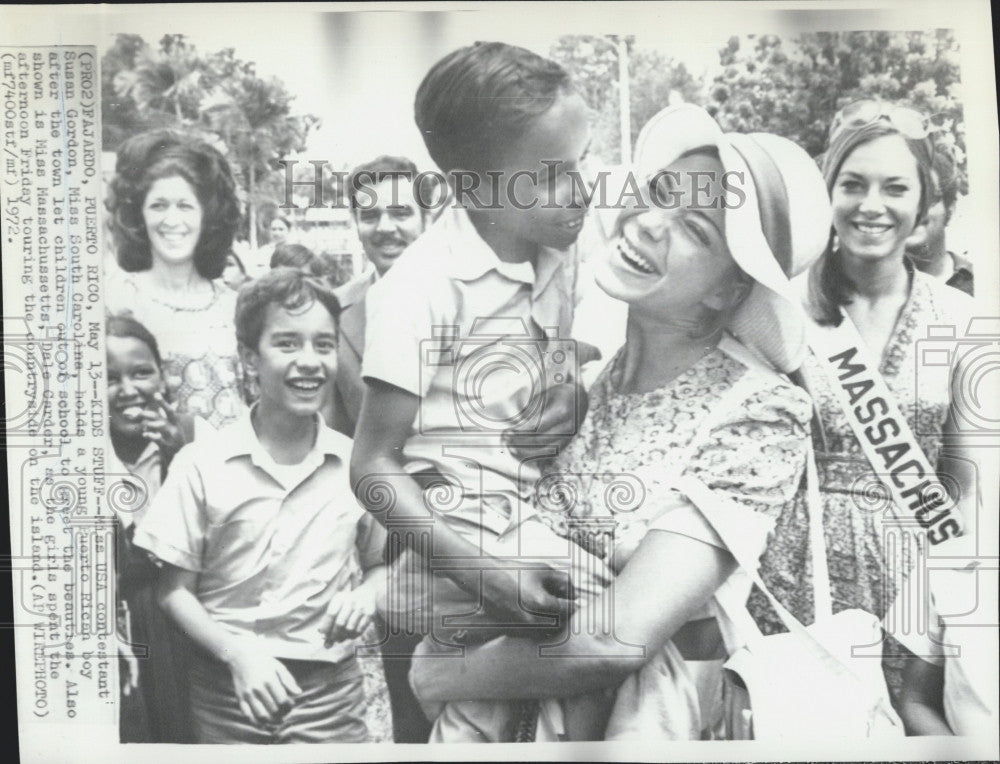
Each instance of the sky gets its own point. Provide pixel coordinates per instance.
(359, 71)
(357, 66)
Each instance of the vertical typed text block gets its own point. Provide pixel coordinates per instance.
(62, 526)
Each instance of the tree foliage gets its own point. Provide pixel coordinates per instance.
(791, 86)
(218, 95)
(121, 115)
(592, 61)
(657, 81)
(794, 87)
(168, 79)
(254, 117)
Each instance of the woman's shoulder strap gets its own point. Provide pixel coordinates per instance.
(755, 364)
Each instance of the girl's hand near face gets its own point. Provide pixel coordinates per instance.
(162, 425)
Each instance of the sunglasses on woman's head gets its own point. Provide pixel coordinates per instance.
(866, 111)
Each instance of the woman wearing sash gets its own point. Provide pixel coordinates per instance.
(878, 169)
(702, 260)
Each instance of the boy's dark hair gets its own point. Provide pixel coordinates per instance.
(238, 261)
(124, 326)
(290, 288)
(157, 154)
(478, 100)
(296, 256)
(284, 219)
(378, 170)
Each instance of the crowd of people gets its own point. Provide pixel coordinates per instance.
(345, 485)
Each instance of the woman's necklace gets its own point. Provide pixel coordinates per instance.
(158, 295)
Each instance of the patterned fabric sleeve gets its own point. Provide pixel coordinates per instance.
(755, 456)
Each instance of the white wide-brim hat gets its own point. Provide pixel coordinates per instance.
(779, 230)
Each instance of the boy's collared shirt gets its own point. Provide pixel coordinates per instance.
(271, 543)
(464, 331)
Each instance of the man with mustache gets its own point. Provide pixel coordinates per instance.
(388, 219)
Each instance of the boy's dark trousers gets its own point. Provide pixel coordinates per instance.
(409, 725)
(330, 709)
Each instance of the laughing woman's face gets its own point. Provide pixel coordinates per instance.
(671, 257)
(876, 199)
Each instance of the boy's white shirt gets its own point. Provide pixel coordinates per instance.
(256, 595)
(448, 295)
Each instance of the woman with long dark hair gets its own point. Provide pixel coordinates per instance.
(879, 171)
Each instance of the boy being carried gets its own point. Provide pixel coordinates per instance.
(466, 358)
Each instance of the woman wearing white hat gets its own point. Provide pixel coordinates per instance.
(703, 258)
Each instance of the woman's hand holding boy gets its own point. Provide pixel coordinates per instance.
(564, 407)
(530, 596)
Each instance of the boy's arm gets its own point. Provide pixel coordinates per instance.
(264, 687)
(645, 616)
(564, 407)
(351, 610)
(921, 701)
(387, 416)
